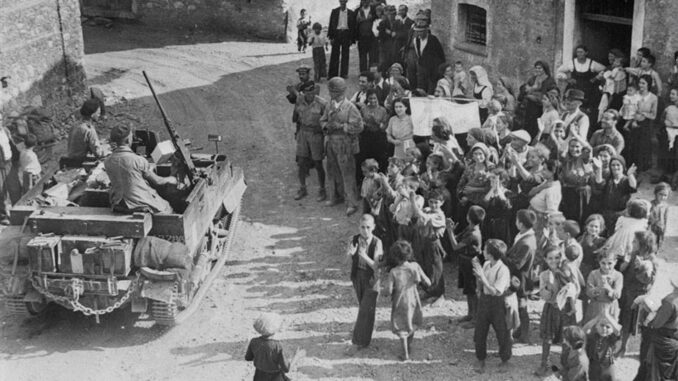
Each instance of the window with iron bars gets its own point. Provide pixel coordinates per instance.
(475, 31)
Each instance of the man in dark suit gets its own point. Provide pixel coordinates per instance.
(520, 259)
(423, 55)
(341, 33)
(367, 42)
(401, 31)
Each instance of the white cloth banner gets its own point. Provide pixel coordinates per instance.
(462, 117)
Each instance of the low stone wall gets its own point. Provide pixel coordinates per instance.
(259, 18)
(41, 50)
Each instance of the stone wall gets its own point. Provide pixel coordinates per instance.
(660, 33)
(519, 32)
(41, 49)
(259, 18)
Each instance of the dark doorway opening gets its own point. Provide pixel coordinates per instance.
(604, 25)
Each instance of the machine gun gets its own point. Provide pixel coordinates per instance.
(183, 152)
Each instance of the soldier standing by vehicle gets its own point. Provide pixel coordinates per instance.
(310, 146)
(342, 123)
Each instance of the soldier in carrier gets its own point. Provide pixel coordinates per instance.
(134, 185)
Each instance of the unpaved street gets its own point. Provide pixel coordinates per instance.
(288, 257)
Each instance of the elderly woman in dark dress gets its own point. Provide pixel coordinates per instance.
(531, 93)
(659, 342)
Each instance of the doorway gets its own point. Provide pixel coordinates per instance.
(604, 25)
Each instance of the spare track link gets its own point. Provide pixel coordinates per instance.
(165, 313)
(16, 306)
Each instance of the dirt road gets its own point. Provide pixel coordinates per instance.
(288, 257)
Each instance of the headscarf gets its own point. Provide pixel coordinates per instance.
(545, 66)
(483, 147)
(508, 84)
(268, 324)
(397, 66)
(481, 76)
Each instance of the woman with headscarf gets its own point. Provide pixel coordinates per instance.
(531, 94)
(504, 90)
(475, 182)
(550, 114)
(482, 90)
(396, 70)
(659, 338)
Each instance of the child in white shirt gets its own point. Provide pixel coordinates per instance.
(29, 165)
(630, 106)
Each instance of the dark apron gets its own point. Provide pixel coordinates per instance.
(583, 83)
(483, 112)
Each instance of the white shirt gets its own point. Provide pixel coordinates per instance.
(342, 23)
(28, 162)
(359, 97)
(548, 200)
(570, 66)
(521, 235)
(498, 276)
(5, 147)
(581, 126)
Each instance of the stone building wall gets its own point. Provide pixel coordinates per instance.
(259, 18)
(41, 49)
(661, 33)
(519, 32)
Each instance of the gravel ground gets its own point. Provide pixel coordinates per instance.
(288, 257)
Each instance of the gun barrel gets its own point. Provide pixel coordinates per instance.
(184, 153)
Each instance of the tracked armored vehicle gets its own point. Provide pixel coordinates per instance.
(89, 259)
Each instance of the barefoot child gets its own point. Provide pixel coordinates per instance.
(659, 211)
(604, 287)
(302, 30)
(493, 281)
(601, 344)
(573, 359)
(365, 251)
(405, 275)
(266, 352)
(467, 246)
(551, 281)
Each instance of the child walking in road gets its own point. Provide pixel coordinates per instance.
(405, 275)
(303, 24)
(493, 281)
(318, 43)
(266, 352)
(659, 211)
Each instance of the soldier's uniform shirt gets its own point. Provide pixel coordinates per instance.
(82, 140)
(127, 172)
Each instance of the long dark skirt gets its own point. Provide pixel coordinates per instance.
(658, 355)
(433, 254)
(364, 324)
(574, 205)
(533, 111)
